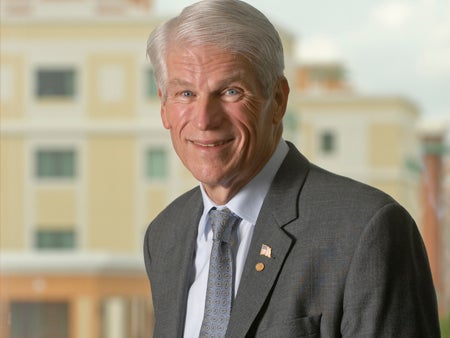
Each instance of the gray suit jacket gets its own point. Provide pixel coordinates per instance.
(347, 261)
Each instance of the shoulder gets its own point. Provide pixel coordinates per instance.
(342, 188)
(344, 203)
(178, 219)
(322, 184)
(337, 189)
(324, 195)
(185, 203)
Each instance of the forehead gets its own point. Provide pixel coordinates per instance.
(205, 59)
(210, 68)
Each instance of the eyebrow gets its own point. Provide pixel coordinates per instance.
(222, 83)
(179, 82)
(234, 78)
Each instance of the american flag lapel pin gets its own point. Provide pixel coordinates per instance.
(266, 251)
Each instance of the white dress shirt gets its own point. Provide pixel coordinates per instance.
(246, 204)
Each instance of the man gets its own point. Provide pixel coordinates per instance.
(308, 253)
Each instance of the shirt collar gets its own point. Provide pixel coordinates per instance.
(248, 201)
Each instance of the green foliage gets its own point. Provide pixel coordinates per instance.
(445, 326)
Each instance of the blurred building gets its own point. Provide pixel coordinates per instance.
(435, 201)
(85, 163)
(321, 78)
(84, 167)
(445, 227)
(369, 138)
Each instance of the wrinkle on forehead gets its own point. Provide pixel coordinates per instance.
(195, 61)
(195, 55)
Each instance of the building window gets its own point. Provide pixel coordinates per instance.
(151, 89)
(156, 163)
(59, 83)
(327, 142)
(55, 239)
(55, 163)
(39, 319)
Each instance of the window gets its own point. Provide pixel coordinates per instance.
(55, 163)
(151, 89)
(55, 239)
(39, 319)
(156, 163)
(55, 83)
(327, 142)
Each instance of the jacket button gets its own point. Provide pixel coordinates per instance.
(259, 267)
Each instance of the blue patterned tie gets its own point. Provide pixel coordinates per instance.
(219, 293)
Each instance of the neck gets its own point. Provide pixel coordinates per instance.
(220, 194)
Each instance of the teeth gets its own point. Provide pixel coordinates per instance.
(210, 144)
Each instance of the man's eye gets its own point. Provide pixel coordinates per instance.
(232, 95)
(187, 93)
(232, 91)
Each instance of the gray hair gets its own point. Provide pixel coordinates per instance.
(231, 25)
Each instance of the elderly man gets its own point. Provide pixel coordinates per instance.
(268, 245)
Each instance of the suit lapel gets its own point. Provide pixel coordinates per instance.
(279, 208)
(255, 285)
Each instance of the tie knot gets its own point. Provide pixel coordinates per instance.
(222, 222)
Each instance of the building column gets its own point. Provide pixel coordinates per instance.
(114, 321)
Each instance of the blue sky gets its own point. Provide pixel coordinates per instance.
(389, 47)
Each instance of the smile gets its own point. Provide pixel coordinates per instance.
(210, 144)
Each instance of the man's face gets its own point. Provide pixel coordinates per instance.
(223, 127)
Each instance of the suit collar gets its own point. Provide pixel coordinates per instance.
(283, 196)
(248, 201)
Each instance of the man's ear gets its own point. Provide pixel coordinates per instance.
(163, 111)
(280, 98)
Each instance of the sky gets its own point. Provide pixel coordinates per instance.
(388, 47)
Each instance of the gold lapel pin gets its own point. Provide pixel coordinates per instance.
(266, 251)
(259, 267)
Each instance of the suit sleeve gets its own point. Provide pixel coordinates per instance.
(146, 251)
(389, 289)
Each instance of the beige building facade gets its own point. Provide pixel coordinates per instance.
(371, 139)
(84, 166)
(85, 163)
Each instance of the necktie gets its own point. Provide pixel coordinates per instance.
(219, 292)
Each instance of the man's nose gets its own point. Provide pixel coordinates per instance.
(208, 113)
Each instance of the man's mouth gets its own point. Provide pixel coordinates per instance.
(210, 144)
